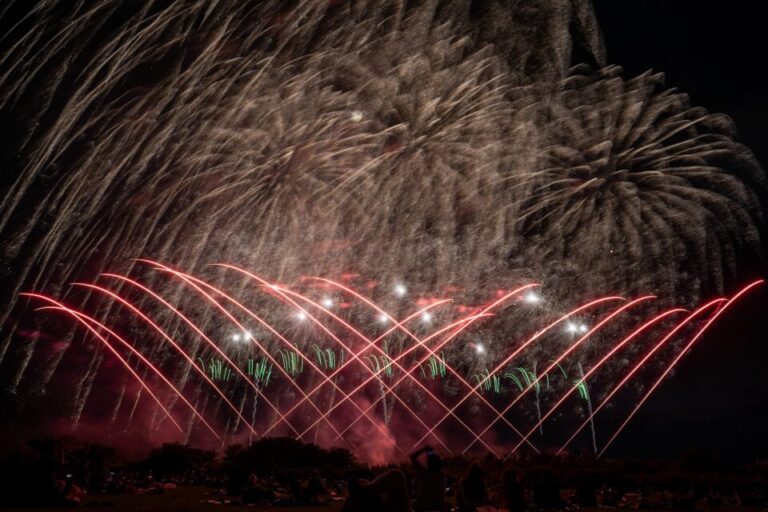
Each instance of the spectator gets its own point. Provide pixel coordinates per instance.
(472, 492)
(387, 493)
(513, 490)
(546, 493)
(430, 481)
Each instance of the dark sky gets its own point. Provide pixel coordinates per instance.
(716, 52)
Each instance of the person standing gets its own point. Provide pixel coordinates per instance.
(472, 493)
(430, 481)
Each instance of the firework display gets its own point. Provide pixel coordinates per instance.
(331, 365)
(445, 227)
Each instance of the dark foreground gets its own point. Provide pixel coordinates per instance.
(183, 498)
(282, 474)
(198, 498)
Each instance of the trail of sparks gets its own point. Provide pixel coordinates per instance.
(637, 367)
(433, 352)
(370, 343)
(284, 292)
(394, 361)
(210, 342)
(192, 280)
(85, 320)
(459, 323)
(562, 356)
(330, 327)
(173, 343)
(597, 366)
(456, 332)
(522, 347)
(341, 367)
(682, 353)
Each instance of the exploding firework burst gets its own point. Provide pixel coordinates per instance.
(634, 177)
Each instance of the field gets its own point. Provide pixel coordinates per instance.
(182, 499)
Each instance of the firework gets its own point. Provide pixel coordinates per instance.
(438, 148)
(384, 368)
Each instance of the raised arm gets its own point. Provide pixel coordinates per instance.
(415, 456)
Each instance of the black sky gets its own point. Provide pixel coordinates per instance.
(716, 52)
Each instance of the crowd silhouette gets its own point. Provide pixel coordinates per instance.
(281, 472)
(431, 485)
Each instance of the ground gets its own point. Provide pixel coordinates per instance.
(182, 499)
(203, 499)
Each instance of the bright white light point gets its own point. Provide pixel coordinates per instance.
(236, 337)
(301, 316)
(532, 298)
(356, 116)
(583, 328)
(571, 327)
(426, 317)
(273, 286)
(383, 319)
(479, 348)
(327, 302)
(248, 335)
(400, 290)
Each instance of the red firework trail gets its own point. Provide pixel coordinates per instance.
(563, 356)
(597, 365)
(522, 347)
(394, 361)
(173, 343)
(155, 370)
(343, 333)
(284, 292)
(463, 321)
(84, 320)
(341, 367)
(459, 329)
(370, 343)
(637, 367)
(210, 342)
(431, 352)
(675, 361)
(191, 281)
(188, 278)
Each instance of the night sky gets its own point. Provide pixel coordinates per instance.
(715, 52)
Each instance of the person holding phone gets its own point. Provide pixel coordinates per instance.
(430, 481)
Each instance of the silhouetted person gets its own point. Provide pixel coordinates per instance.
(513, 490)
(472, 489)
(430, 481)
(586, 491)
(387, 493)
(314, 492)
(546, 492)
(48, 483)
(255, 491)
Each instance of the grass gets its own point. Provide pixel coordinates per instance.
(181, 499)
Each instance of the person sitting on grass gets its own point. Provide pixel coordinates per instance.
(387, 493)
